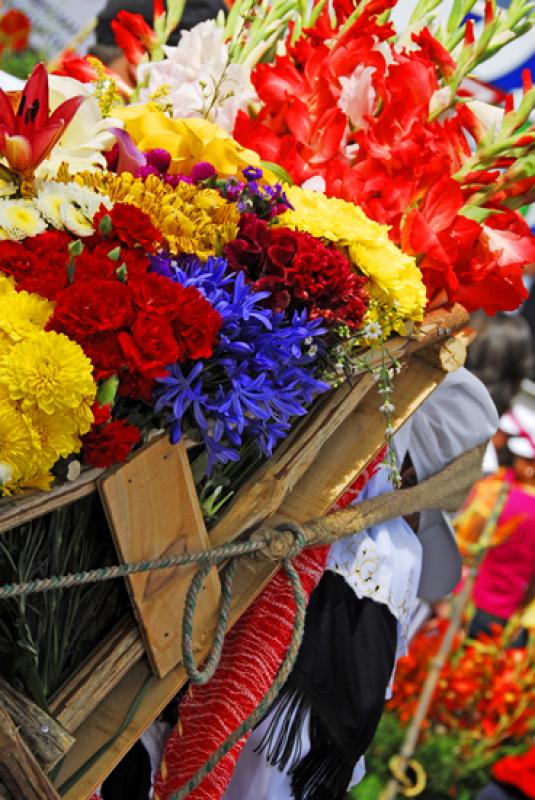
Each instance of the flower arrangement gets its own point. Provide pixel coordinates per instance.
(482, 709)
(216, 284)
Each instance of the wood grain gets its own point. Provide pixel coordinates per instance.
(153, 510)
(98, 675)
(46, 738)
(19, 770)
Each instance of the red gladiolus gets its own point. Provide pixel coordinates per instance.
(28, 132)
(133, 36)
(14, 31)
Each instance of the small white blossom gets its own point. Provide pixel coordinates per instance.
(387, 408)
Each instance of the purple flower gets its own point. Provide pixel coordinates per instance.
(203, 171)
(252, 173)
(260, 376)
(159, 158)
(174, 180)
(146, 170)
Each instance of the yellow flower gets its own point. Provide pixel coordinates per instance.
(48, 371)
(7, 284)
(57, 435)
(20, 219)
(187, 140)
(395, 280)
(21, 315)
(192, 219)
(82, 417)
(17, 443)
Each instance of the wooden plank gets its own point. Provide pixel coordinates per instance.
(107, 718)
(23, 508)
(356, 442)
(19, 769)
(46, 738)
(153, 510)
(98, 675)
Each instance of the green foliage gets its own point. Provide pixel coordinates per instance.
(449, 773)
(20, 64)
(45, 637)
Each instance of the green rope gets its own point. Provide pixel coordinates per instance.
(213, 557)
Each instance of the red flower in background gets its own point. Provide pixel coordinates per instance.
(299, 271)
(350, 108)
(15, 30)
(133, 36)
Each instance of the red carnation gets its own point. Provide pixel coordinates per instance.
(84, 309)
(130, 226)
(299, 271)
(196, 325)
(150, 346)
(105, 353)
(110, 444)
(39, 264)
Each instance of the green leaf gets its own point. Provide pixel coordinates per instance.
(278, 171)
(476, 213)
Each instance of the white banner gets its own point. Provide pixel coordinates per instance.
(55, 23)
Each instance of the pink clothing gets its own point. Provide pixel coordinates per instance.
(508, 569)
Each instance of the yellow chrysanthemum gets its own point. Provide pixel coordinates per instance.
(7, 284)
(57, 435)
(187, 140)
(17, 443)
(82, 417)
(396, 282)
(20, 219)
(192, 219)
(21, 315)
(48, 371)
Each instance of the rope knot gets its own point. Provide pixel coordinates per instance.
(281, 543)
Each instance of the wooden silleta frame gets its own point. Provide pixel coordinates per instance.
(153, 510)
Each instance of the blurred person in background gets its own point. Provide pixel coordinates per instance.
(506, 577)
(502, 355)
(106, 49)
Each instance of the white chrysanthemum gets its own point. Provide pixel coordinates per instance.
(49, 201)
(74, 219)
(86, 138)
(198, 78)
(20, 219)
(88, 201)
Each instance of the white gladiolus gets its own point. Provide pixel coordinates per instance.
(198, 78)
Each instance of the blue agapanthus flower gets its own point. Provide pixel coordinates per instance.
(260, 376)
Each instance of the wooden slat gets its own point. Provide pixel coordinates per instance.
(356, 442)
(98, 675)
(46, 738)
(19, 769)
(18, 510)
(153, 510)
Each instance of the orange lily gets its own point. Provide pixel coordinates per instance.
(28, 132)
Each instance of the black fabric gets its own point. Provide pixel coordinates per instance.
(131, 778)
(340, 678)
(196, 11)
(498, 791)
